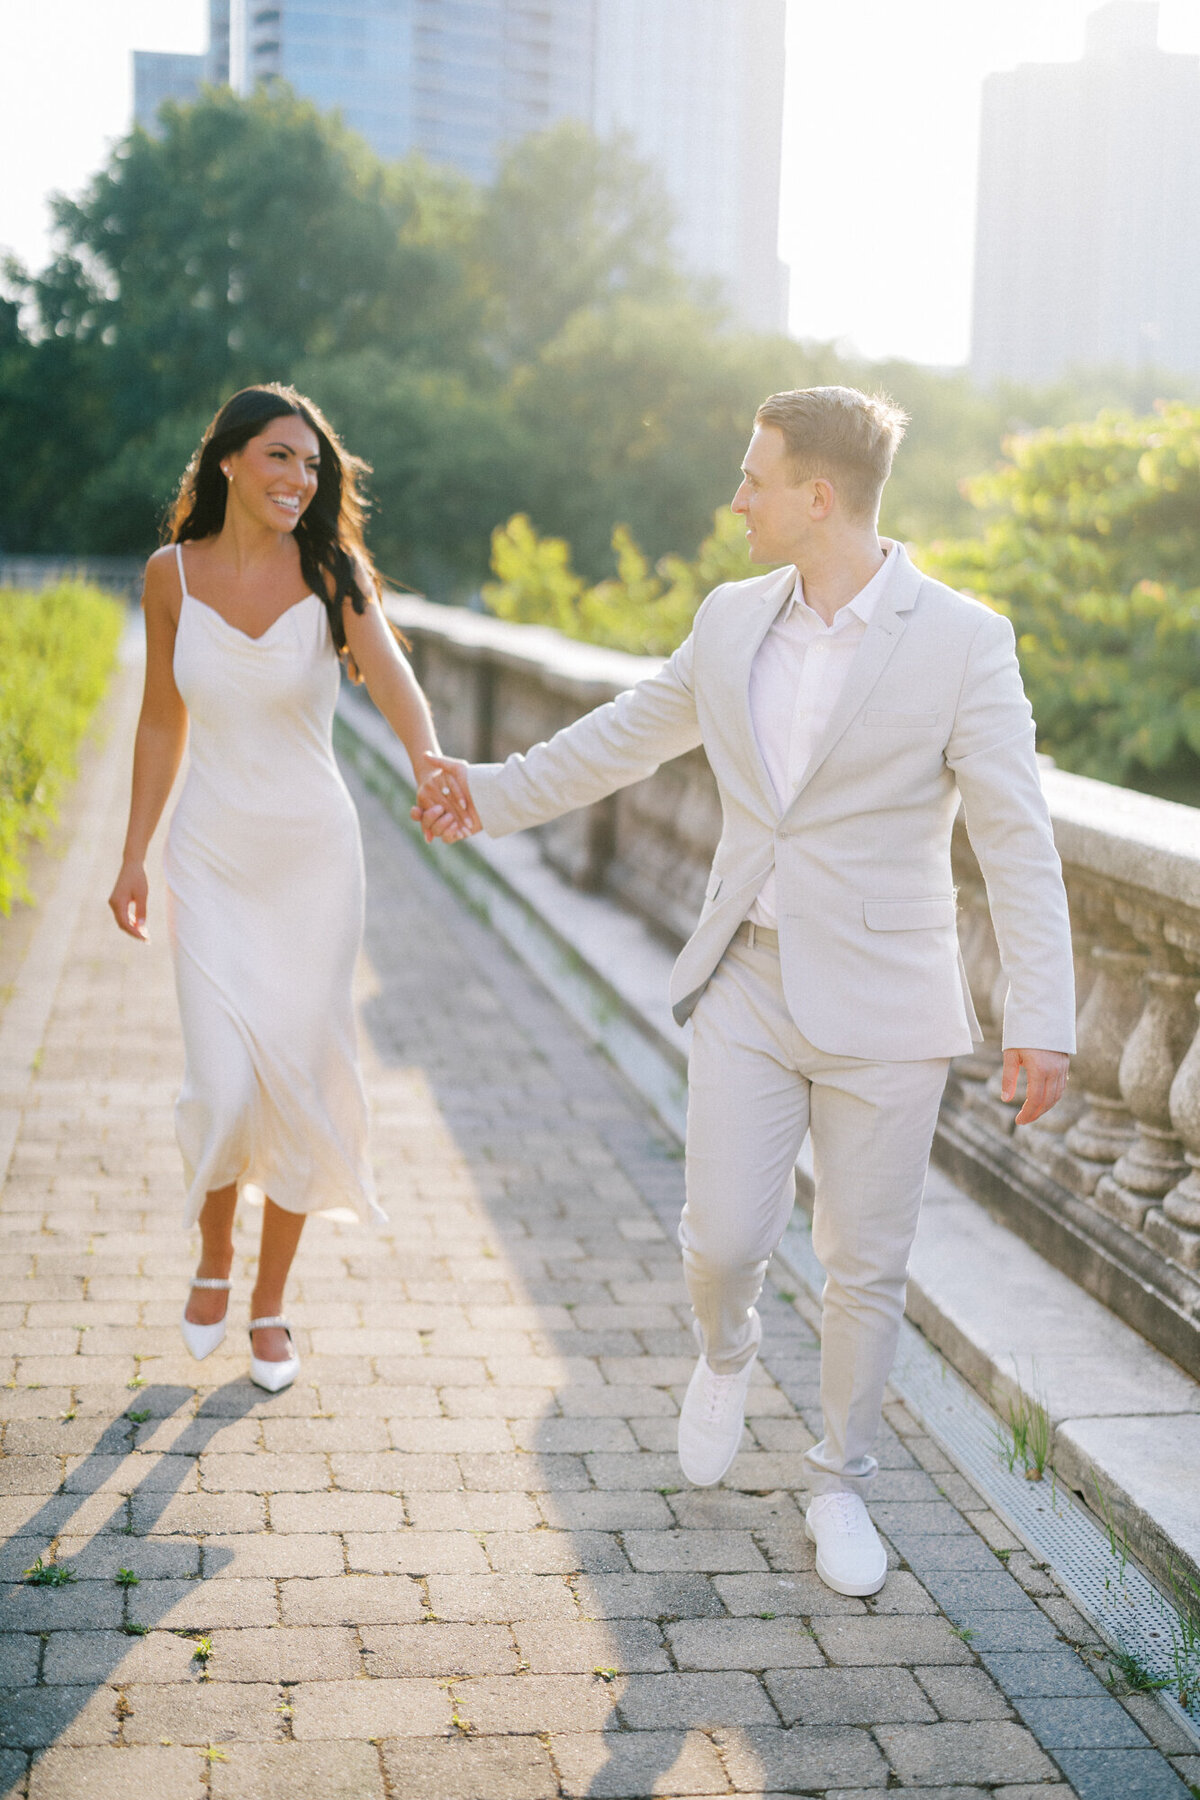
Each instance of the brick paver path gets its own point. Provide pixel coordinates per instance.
(457, 1558)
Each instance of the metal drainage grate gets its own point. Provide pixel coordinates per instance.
(1110, 1590)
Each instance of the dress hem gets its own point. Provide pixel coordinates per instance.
(361, 1201)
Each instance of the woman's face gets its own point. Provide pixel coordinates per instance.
(274, 476)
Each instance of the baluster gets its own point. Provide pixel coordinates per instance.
(1176, 1230)
(1113, 1008)
(1153, 1163)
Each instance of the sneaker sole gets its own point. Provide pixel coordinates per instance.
(852, 1591)
(712, 1480)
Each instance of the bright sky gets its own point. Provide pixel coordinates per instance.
(879, 147)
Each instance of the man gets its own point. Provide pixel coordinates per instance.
(847, 704)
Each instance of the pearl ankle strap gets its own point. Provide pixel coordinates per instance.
(210, 1281)
(262, 1324)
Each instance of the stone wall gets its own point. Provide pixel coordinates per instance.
(1107, 1186)
(118, 574)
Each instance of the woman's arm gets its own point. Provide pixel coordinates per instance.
(393, 687)
(158, 747)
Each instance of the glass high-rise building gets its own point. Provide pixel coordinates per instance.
(697, 84)
(160, 75)
(453, 79)
(1087, 250)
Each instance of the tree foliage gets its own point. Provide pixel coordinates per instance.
(1089, 539)
(644, 608)
(532, 352)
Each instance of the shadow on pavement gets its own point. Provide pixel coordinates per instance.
(102, 1621)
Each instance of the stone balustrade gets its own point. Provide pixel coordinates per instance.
(1108, 1185)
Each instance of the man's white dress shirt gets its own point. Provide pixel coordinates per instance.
(798, 673)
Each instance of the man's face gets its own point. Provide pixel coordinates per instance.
(778, 514)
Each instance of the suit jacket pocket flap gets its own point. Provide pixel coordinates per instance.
(909, 915)
(715, 884)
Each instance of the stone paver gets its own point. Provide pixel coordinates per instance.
(458, 1559)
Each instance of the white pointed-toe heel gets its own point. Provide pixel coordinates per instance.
(202, 1340)
(273, 1375)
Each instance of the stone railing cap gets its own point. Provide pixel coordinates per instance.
(1132, 838)
(564, 660)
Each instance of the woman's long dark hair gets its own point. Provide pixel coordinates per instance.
(329, 533)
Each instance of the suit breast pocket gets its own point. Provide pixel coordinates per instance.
(878, 719)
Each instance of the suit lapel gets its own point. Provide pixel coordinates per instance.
(884, 632)
(740, 661)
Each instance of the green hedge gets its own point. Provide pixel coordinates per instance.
(57, 650)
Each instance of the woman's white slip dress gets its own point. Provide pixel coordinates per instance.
(264, 876)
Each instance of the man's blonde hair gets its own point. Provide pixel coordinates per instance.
(835, 431)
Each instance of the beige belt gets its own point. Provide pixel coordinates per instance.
(760, 936)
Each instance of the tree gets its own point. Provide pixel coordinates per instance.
(571, 223)
(251, 234)
(449, 459)
(1089, 539)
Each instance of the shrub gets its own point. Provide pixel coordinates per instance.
(644, 609)
(56, 653)
(1089, 539)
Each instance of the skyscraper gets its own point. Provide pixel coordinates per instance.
(160, 75)
(1088, 227)
(697, 84)
(454, 79)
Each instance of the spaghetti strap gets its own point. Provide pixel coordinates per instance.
(183, 586)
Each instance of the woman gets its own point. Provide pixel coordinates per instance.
(264, 586)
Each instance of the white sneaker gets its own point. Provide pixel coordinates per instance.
(710, 1422)
(850, 1557)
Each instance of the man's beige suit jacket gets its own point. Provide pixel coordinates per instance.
(932, 712)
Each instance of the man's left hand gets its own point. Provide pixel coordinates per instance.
(1046, 1080)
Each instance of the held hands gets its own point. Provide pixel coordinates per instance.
(1046, 1080)
(444, 808)
(128, 901)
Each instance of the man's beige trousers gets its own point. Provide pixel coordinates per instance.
(755, 1086)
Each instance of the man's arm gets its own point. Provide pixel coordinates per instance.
(991, 751)
(617, 744)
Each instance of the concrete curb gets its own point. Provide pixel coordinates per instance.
(1125, 1420)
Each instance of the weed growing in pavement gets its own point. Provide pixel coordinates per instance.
(140, 1417)
(126, 1578)
(1119, 1546)
(1133, 1675)
(1184, 1624)
(1027, 1437)
(132, 1629)
(48, 1574)
(605, 1674)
